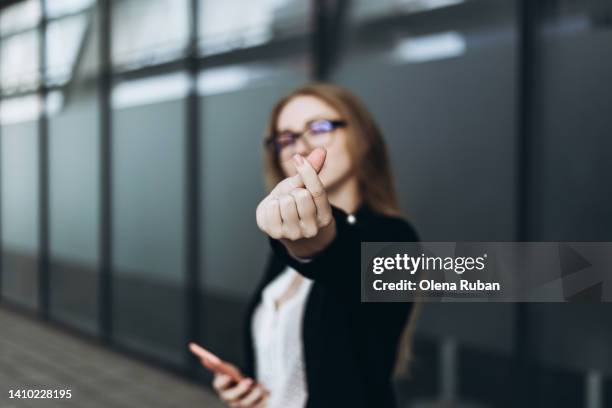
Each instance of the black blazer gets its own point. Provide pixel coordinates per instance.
(349, 347)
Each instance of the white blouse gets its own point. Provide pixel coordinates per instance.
(277, 334)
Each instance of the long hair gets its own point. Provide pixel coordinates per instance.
(368, 153)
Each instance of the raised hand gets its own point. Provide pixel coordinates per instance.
(297, 211)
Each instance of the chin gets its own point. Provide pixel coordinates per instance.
(325, 180)
(330, 183)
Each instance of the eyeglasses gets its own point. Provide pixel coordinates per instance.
(316, 134)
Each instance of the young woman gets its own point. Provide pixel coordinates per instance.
(310, 342)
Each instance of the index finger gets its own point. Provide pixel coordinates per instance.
(287, 185)
(203, 353)
(214, 363)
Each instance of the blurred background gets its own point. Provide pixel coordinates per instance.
(130, 160)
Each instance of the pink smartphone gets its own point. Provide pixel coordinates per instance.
(214, 363)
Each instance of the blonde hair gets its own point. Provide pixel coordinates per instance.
(366, 147)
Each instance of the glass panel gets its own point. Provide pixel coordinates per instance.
(573, 125)
(463, 72)
(74, 199)
(64, 40)
(575, 336)
(20, 109)
(230, 24)
(89, 57)
(20, 205)
(20, 16)
(19, 62)
(74, 209)
(366, 9)
(148, 228)
(150, 90)
(442, 87)
(231, 187)
(137, 39)
(572, 173)
(56, 8)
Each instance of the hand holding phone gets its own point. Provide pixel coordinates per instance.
(214, 363)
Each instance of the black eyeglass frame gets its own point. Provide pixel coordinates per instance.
(270, 141)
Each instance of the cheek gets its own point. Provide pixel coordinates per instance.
(288, 168)
(337, 165)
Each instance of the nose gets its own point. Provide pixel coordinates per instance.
(301, 147)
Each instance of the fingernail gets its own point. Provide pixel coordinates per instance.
(298, 159)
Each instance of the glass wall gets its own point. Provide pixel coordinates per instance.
(19, 63)
(573, 61)
(74, 170)
(20, 160)
(20, 16)
(571, 189)
(235, 24)
(19, 58)
(20, 212)
(434, 70)
(137, 39)
(431, 77)
(148, 202)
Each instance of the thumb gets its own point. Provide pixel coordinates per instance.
(316, 158)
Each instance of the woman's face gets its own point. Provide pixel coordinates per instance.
(295, 117)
